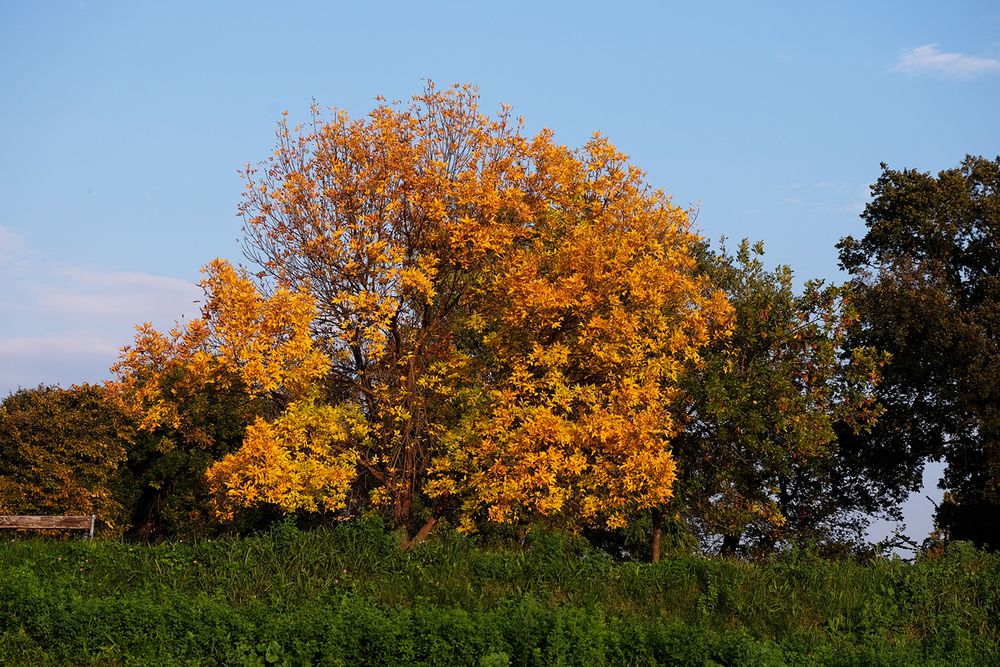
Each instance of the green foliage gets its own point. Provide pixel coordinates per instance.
(927, 274)
(60, 453)
(166, 467)
(758, 462)
(349, 596)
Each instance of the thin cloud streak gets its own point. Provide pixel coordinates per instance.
(64, 358)
(827, 197)
(928, 59)
(88, 292)
(66, 324)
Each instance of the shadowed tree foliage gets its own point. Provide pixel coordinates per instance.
(759, 462)
(927, 276)
(60, 453)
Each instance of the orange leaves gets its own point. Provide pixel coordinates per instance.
(144, 368)
(243, 340)
(508, 315)
(343, 207)
(265, 341)
(389, 221)
(592, 316)
(349, 201)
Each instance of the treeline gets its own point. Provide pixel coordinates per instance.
(448, 320)
(350, 596)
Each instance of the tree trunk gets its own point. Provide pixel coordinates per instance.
(421, 535)
(402, 495)
(654, 546)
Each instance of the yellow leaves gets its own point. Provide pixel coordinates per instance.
(511, 315)
(153, 371)
(418, 281)
(245, 339)
(390, 220)
(266, 341)
(305, 460)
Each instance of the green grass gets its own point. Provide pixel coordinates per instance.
(350, 596)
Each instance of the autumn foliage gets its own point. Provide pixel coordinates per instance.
(300, 461)
(448, 317)
(195, 390)
(60, 453)
(586, 323)
(390, 222)
(261, 343)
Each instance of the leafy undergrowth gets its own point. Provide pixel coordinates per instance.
(350, 596)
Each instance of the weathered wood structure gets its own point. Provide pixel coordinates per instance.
(35, 522)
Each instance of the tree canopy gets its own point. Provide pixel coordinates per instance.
(927, 273)
(444, 317)
(61, 452)
(449, 317)
(759, 458)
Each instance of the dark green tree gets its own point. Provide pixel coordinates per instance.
(927, 274)
(759, 463)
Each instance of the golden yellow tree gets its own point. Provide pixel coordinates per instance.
(243, 338)
(452, 257)
(587, 321)
(507, 316)
(389, 221)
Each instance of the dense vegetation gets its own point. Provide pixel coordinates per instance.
(350, 596)
(447, 319)
(449, 323)
(927, 282)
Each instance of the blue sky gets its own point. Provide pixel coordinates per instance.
(124, 125)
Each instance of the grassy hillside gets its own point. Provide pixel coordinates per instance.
(349, 596)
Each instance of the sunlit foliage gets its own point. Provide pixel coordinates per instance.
(389, 221)
(514, 311)
(195, 390)
(260, 344)
(303, 460)
(587, 323)
(448, 302)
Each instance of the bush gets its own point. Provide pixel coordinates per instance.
(349, 596)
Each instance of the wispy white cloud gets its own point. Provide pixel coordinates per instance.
(928, 59)
(827, 197)
(84, 291)
(65, 324)
(63, 358)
